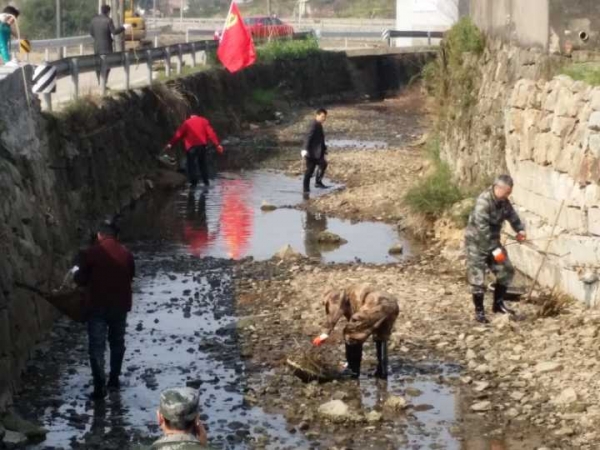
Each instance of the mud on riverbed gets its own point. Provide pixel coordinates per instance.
(227, 327)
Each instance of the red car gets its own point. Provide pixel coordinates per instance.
(266, 27)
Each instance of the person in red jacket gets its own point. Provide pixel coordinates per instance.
(195, 133)
(106, 269)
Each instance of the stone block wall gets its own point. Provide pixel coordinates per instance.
(552, 150)
(546, 134)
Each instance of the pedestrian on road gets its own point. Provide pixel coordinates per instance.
(102, 30)
(369, 312)
(178, 417)
(483, 246)
(195, 133)
(314, 151)
(106, 269)
(7, 19)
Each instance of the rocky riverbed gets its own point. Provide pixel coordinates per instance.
(209, 316)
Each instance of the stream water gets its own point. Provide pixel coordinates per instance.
(182, 329)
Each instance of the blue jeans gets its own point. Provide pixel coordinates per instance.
(106, 325)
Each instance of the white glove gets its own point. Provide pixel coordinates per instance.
(304, 153)
(127, 26)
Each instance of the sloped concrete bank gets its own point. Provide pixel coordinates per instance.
(60, 174)
(543, 130)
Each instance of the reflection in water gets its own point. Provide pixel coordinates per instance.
(236, 216)
(195, 226)
(313, 225)
(227, 222)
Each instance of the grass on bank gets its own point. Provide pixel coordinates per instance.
(587, 72)
(280, 49)
(437, 192)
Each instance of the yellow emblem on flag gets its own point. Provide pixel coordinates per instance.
(231, 20)
(25, 46)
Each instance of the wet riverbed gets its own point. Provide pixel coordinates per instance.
(183, 330)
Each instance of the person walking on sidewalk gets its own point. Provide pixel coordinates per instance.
(484, 249)
(7, 18)
(195, 133)
(106, 269)
(314, 151)
(102, 30)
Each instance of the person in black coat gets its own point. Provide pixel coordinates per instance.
(314, 151)
(102, 30)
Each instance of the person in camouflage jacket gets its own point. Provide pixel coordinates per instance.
(369, 312)
(484, 249)
(178, 417)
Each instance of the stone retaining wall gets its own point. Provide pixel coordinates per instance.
(553, 151)
(546, 134)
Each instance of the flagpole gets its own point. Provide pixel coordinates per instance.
(227, 17)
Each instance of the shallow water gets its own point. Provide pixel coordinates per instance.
(227, 222)
(182, 330)
(356, 144)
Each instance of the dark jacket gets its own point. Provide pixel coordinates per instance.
(315, 140)
(102, 30)
(107, 270)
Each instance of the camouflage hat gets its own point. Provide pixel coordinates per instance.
(179, 405)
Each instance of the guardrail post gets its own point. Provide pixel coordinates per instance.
(155, 41)
(80, 49)
(75, 77)
(167, 62)
(48, 101)
(46, 54)
(187, 35)
(429, 38)
(103, 74)
(149, 63)
(65, 52)
(179, 60)
(193, 54)
(126, 65)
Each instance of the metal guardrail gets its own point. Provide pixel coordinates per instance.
(388, 35)
(74, 66)
(63, 44)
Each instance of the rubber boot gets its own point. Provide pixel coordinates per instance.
(479, 308)
(354, 359)
(499, 307)
(99, 391)
(116, 362)
(382, 360)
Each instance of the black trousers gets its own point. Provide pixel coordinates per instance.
(106, 325)
(311, 165)
(196, 161)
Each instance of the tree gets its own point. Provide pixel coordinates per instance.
(38, 18)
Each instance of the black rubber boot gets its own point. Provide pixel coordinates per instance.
(382, 360)
(354, 358)
(99, 391)
(479, 309)
(116, 362)
(499, 307)
(320, 185)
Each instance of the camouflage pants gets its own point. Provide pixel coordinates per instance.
(377, 320)
(477, 264)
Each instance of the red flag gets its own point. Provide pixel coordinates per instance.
(236, 49)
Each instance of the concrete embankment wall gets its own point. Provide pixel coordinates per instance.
(60, 174)
(545, 131)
